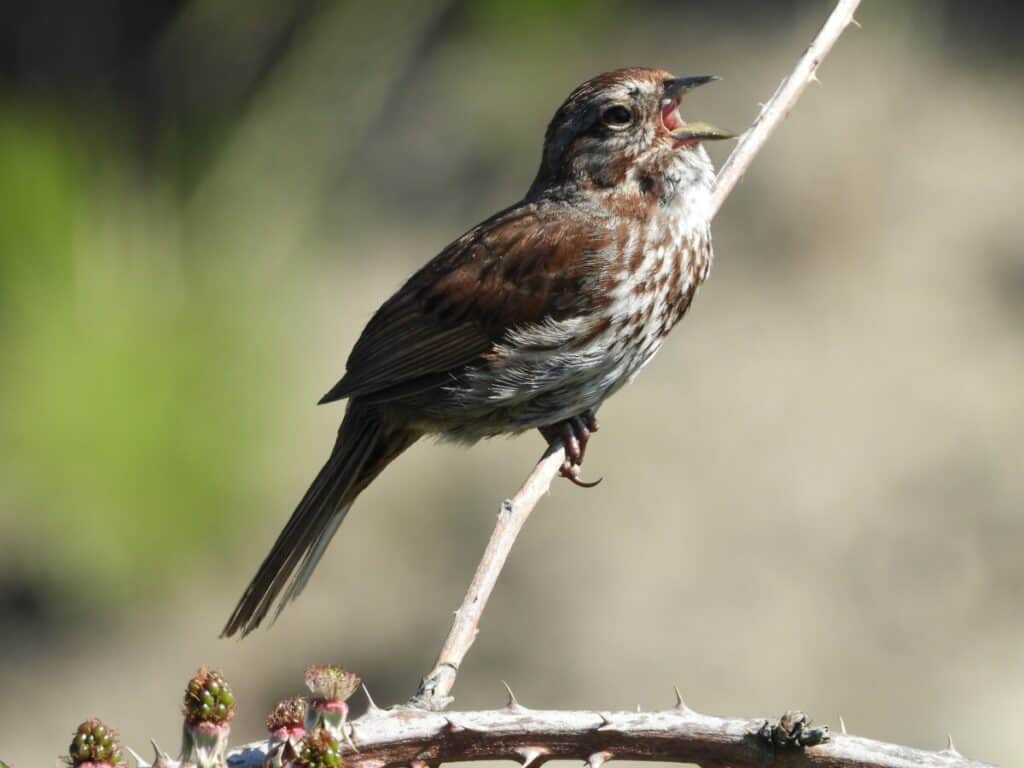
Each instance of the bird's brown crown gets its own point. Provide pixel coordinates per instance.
(615, 121)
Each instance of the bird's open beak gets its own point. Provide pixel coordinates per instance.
(679, 129)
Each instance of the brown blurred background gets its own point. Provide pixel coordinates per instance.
(812, 498)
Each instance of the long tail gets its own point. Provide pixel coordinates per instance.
(364, 447)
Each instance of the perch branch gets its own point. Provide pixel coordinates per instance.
(409, 737)
(435, 689)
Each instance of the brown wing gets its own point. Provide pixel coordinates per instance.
(524, 265)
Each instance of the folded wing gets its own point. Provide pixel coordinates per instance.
(518, 268)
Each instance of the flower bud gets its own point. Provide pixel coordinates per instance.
(319, 749)
(208, 708)
(286, 725)
(330, 686)
(95, 745)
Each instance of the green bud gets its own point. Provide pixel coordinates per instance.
(94, 742)
(208, 699)
(319, 750)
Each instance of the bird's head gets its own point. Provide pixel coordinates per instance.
(623, 126)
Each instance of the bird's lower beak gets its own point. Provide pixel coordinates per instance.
(682, 132)
(695, 132)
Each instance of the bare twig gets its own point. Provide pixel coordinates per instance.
(434, 689)
(780, 104)
(403, 737)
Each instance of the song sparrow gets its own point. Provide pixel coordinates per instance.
(532, 318)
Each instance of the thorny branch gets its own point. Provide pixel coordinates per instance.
(435, 689)
(424, 739)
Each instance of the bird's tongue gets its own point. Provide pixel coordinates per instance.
(670, 116)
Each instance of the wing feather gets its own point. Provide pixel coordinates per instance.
(525, 265)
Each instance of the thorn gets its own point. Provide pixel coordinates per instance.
(842, 725)
(139, 762)
(606, 724)
(371, 705)
(530, 755)
(160, 758)
(513, 703)
(598, 759)
(950, 747)
(452, 727)
(855, 23)
(813, 78)
(680, 704)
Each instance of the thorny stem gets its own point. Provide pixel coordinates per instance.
(422, 739)
(435, 689)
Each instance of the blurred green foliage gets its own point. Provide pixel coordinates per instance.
(533, 15)
(123, 453)
(148, 216)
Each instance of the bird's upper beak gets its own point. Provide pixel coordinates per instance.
(680, 130)
(677, 87)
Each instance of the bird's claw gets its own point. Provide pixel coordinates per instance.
(574, 434)
(571, 472)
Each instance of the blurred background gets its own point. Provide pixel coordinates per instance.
(812, 498)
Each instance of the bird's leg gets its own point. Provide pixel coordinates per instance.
(574, 434)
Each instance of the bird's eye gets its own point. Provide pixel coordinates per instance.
(617, 116)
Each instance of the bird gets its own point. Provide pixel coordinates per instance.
(531, 319)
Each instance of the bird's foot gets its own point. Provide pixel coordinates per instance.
(573, 434)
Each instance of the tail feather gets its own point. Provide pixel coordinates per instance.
(363, 448)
